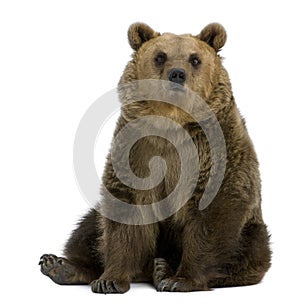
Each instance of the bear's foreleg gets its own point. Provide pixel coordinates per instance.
(126, 250)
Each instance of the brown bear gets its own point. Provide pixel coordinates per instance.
(224, 244)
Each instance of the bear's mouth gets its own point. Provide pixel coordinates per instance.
(176, 87)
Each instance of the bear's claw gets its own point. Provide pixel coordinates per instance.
(109, 286)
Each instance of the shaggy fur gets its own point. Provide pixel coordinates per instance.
(226, 244)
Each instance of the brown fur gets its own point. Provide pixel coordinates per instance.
(226, 244)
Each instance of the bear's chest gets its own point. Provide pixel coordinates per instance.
(169, 163)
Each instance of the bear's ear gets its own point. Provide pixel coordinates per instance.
(138, 33)
(214, 35)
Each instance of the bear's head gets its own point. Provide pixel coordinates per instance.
(187, 60)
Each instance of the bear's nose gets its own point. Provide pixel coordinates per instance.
(177, 76)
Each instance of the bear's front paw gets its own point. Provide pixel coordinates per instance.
(161, 271)
(180, 284)
(110, 286)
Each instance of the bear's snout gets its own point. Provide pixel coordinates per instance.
(177, 75)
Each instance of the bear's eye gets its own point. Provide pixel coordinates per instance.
(161, 58)
(194, 60)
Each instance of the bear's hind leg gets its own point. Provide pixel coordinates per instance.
(82, 264)
(64, 272)
(250, 266)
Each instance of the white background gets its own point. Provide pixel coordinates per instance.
(57, 57)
